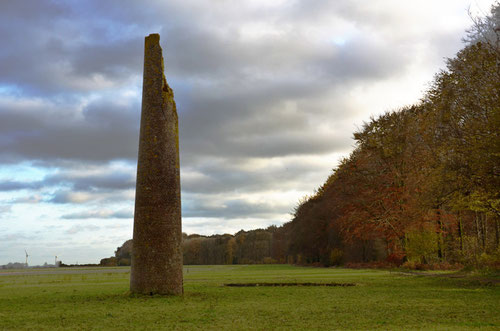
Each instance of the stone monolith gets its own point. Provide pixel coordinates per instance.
(157, 243)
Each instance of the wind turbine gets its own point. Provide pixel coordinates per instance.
(55, 262)
(26, 257)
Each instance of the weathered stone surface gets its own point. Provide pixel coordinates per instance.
(157, 243)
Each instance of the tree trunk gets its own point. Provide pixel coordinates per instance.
(497, 234)
(439, 240)
(485, 231)
(478, 230)
(461, 232)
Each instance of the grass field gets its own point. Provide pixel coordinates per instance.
(380, 299)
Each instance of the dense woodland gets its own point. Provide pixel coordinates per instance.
(422, 185)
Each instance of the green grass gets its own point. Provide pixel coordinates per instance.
(381, 299)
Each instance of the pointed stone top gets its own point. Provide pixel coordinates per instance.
(153, 39)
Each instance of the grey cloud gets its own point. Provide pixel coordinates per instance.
(10, 185)
(117, 61)
(30, 11)
(241, 68)
(364, 58)
(232, 208)
(100, 214)
(107, 130)
(62, 50)
(107, 180)
(88, 182)
(286, 144)
(257, 125)
(246, 77)
(220, 176)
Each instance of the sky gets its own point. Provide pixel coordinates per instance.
(268, 94)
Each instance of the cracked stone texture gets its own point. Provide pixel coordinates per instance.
(157, 244)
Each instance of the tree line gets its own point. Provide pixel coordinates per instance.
(244, 247)
(421, 186)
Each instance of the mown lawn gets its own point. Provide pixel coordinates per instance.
(380, 300)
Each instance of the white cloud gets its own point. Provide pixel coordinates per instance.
(80, 228)
(4, 209)
(28, 199)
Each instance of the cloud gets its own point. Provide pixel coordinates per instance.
(268, 94)
(73, 197)
(82, 228)
(62, 50)
(10, 185)
(209, 226)
(118, 226)
(95, 196)
(100, 214)
(88, 178)
(216, 175)
(28, 199)
(234, 87)
(100, 131)
(91, 178)
(15, 237)
(210, 207)
(4, 209)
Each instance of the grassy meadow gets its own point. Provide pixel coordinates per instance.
(381, 299)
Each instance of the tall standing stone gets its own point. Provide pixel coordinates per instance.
(157, 244)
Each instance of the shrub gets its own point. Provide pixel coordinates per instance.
(396, 258)
(269, 260)
(124, 262)
(412, 265)
(421, 245)
(490, 261)
(109, 262)
(336, 256)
